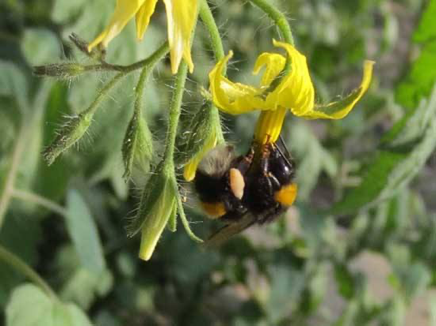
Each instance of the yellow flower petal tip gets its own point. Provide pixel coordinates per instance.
(189, 171)
(190, 168)
(340, 109)
(181, 18)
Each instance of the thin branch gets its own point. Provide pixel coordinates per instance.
(44, 202)
(10, 179)
(17, 263)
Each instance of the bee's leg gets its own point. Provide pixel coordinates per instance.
(245, 162)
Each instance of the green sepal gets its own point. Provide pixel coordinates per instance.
(189, 143)
(137, 146)
(67, 136)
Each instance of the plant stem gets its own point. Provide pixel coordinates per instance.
(5, 196)
(34, 198)
(185, 221)
(278, 17)
(218, 50)
(175, 110)
(17, 263)
(147, 63)
(150, 61)
(215, 38)
(93, 107)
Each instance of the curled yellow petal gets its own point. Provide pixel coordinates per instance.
(339, 109)
(143, 17)
(182, 16)
(230, 97)
(295, 90)
(124, 11)
(274, 64)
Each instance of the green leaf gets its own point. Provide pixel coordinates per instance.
(426, 31)
(421, 78)
(29, 232)
(287, 284)
(13, 84)
(52, 181)
(83, 287)
(84, 233)
(345, 280)
(40, 46)
(397, 161)
(30, 306)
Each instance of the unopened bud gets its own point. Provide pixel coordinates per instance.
(67, 136)
(61, 70)
(198, 131)
(137, 145)
(156, 217)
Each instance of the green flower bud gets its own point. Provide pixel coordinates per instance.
(61, 70)
(137, 145)
(158, 205)
(67, 136)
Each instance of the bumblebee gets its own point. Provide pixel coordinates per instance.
(243, 190)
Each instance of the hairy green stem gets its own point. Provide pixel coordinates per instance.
(146, 63)
(150, 61)
(8, 187)
(282, 23)
(215, 38)
(185, 221)
(175, 110)
(218, 50)
(93, 107)
(278, 17)
(18, 264)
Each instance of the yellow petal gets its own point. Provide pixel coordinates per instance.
(230, 97)
(296, 91)
(274, 64)
(143, 17)
(191, 167)
(124, 11)
(339, 109)
(269, 125)
(182, 16)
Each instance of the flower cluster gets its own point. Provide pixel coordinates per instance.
(285, 86)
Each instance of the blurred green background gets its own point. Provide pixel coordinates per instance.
(358, 248)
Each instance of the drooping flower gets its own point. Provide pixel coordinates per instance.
(181, 16)
(294, 92)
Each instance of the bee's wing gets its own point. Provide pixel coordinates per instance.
(229, 230)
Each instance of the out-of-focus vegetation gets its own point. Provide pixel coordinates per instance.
(358, 248)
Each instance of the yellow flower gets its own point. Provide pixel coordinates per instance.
(181, 15)
(295, 92)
